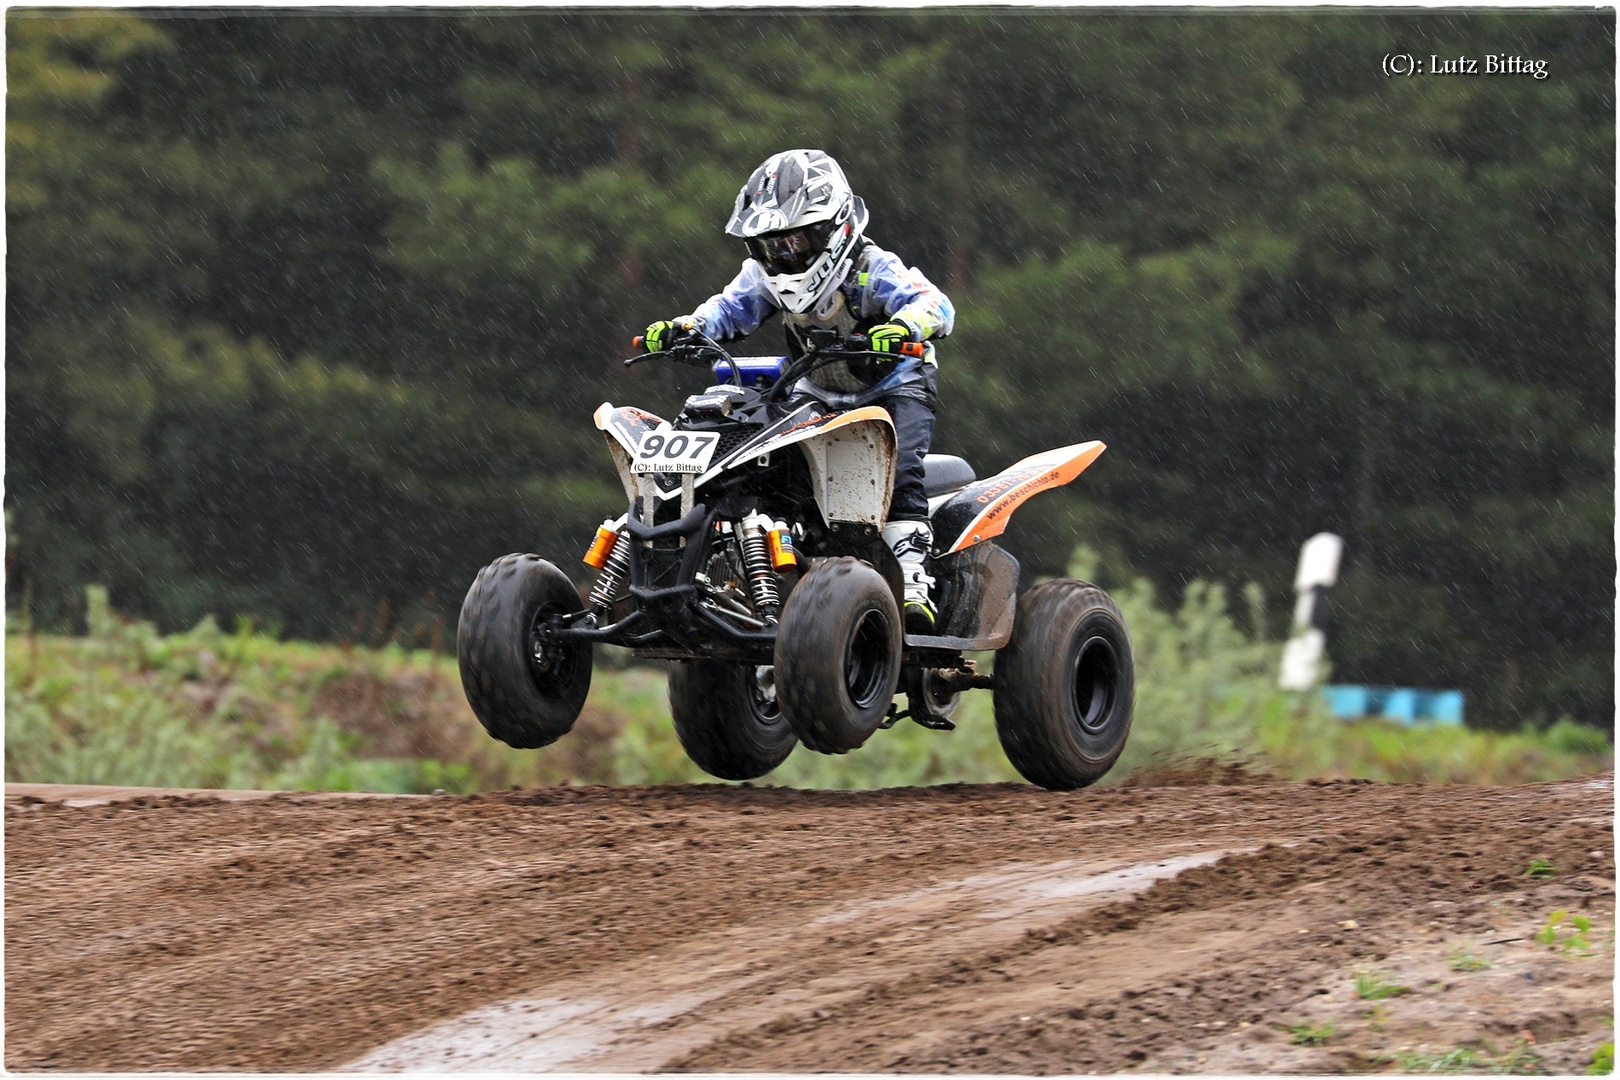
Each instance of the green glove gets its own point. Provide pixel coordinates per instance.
(664, 333)
(888, 337)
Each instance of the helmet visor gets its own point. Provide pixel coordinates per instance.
(789, 252)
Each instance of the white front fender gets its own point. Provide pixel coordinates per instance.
(852, 469)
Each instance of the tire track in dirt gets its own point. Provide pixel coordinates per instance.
(641, 1015)
(291, 933)
(1210, 971)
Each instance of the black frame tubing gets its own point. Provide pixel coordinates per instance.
(696, 527)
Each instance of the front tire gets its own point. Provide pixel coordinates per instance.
(728, 719)
(1065, 686)
(525, 691)
(838, 655)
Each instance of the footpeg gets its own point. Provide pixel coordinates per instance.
(932, 723)
(932, 699)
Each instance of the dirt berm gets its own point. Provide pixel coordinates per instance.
(979, 929)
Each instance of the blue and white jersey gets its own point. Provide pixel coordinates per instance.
(879, 288)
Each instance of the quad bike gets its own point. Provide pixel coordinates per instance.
(751, 557)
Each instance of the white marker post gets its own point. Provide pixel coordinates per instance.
(1318, 570)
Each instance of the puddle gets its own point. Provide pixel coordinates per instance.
(1127, 879)
(531, 1035)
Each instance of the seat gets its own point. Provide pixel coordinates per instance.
(945, 473)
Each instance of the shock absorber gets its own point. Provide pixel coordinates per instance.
(611, 557)
(784, 554)
(757, 561)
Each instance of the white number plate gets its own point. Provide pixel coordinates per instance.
(663, 449)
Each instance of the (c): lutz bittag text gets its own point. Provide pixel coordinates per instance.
(1489, 64)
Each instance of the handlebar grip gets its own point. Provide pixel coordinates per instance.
(911, 348)
(638, 342)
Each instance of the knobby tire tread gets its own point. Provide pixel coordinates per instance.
(713, 709)
(809, 678)
(1033, 686)
(492, 648)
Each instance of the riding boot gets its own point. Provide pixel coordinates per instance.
(910, 541)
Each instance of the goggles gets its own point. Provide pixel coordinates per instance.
(789, 252)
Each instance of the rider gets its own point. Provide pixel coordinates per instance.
(810, 260)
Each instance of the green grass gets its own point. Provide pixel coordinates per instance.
(1602, 1060)
(1466, 959)
(1311, 1034)
(1461, 1059)
(1372, 986)
(1568, 933)
(126, 705)
(1378, 750)
(1519, 1061)
(1539, 868)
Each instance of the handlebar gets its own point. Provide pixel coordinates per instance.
(825, 348)
(855, 347)
(680, 350)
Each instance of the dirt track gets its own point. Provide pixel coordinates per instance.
(954, 929)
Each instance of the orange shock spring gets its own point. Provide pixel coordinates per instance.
(613, 569)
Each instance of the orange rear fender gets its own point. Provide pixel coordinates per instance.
(982, 509)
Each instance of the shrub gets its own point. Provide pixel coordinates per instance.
(125, 705)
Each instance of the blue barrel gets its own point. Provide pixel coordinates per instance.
(1441, 706)
(1401, 704)
(1346, 702)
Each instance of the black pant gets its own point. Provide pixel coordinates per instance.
(914, 429)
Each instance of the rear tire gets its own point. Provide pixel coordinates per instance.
(1065, 686)
(726, 720)
(838, 655)
(525, 693)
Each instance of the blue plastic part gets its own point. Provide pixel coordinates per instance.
(1402, 705)
(753, 368)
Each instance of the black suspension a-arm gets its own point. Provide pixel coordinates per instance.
(742, 637)
(620, 633)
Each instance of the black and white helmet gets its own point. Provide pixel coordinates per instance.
(802, 225)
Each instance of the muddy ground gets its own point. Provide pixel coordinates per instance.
(953, 929)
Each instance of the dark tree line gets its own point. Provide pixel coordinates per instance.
(308, 312)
